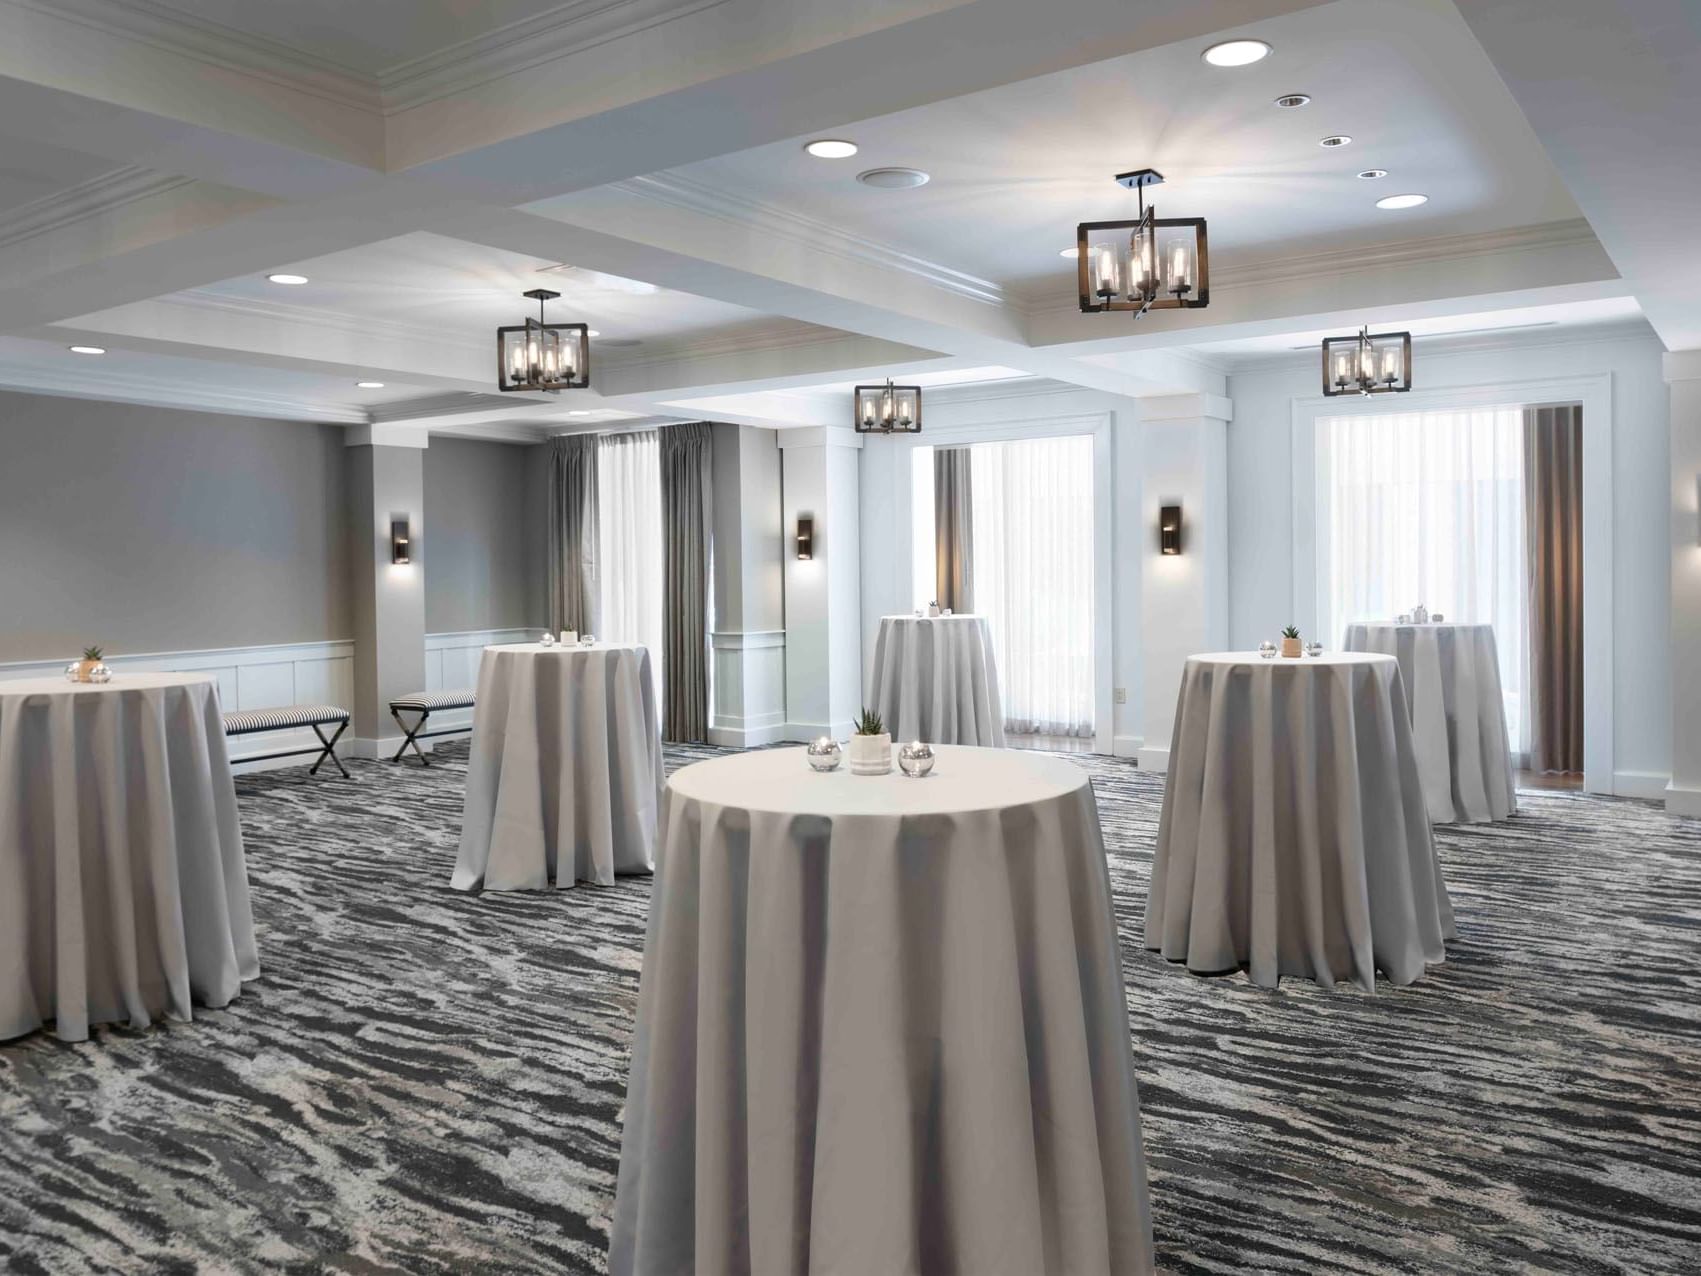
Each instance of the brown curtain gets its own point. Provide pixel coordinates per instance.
(1553, 533)
(686, 454)
(573, 533)
(953, 521)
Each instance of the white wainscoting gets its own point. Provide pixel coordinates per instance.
(750, 688)
(248, 678)
(451, 664)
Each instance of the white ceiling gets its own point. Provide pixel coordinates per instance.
(364, 37)
(32, 171)
(466, 290)
(1015, 167)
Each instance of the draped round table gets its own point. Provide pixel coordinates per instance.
(1294, 839)
(935, 679)
(1452, 676)
(882, 1028)
(565, 771)
(123, 889)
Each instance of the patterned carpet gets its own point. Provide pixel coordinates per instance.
(429, 1082)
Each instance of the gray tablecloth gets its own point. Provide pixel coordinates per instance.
(935, 679)
(1293, 839)
(882, 1029)
(565, 771)
(123, 890)
(1452, 676)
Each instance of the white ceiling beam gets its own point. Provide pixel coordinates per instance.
(1613, 92)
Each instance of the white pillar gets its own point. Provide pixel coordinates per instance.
(386, 480)
(823, 594)
(1683, 373)
(1183, 597)
(750, 554)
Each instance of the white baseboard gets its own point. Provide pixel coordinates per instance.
(1152, 759)
(1127, 746)
(747, 737)
(1641, 784)
(1681, 800)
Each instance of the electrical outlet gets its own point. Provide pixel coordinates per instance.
(1121, 695)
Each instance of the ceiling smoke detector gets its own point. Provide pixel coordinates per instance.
(894, 179)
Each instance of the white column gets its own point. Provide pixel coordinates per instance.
(386, 480)
(1683, 374)
(1183, 597)
(823, 594)
(749, 639)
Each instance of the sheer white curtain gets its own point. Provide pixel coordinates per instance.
(1033, 577)
(629, 543)
(1428, 507)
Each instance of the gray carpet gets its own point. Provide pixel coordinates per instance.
(430, 1082)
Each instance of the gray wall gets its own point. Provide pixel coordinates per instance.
(153, 529)
(483, 568)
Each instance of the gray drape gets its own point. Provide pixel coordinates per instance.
(686, 452)
(573, 533)
(1553, 534)
(953, 522)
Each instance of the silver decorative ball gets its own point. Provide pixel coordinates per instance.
(587, 640)
(824, 754)
(548, 639)
(915, 760)
(1438, 618)
(1314, 649)
(74, 672)
(1267, 650)
(100, 673)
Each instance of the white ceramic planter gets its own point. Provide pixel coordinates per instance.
(871, 754)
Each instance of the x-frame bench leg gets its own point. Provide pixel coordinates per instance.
(330, 749)
(410, 733)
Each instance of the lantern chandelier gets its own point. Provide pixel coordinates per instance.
(888, 409)
(1369, 363)
(543, 356)
(1154, 263)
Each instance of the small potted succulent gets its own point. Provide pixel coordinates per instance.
(871, 746)
(1291, 646)
(91, 668)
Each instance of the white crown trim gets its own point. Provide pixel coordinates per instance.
(87, 199)
(317, 317)
(782, 223)
(1632, 329)
(162, 392)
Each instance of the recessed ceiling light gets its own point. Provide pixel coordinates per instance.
(1334, 139)
(87, 349)
(1237, 53)
(893, 179)
(592, 332)
(1371, 174)
(368, 385)
(830, 148)
(1402, 201)
(287, 279)
(1074, 250)
(578, 412)
(1290, 100)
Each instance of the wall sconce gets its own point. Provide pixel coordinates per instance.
(805, 536)
(400, 546)
(1169, 529)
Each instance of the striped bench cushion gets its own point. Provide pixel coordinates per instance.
(431, 701)
(293, 715)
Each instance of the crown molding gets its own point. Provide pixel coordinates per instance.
(317, 317)
(785, 334)
(523, 45)
(1372, 258)
(1592, 334)
(88, 199)
(163, 392)
(507, 50)
(776, 222)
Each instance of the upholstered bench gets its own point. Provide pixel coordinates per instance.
(426, 703)
(317, 716)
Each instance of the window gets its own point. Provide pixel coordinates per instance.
(629, 543)
(1428, 507)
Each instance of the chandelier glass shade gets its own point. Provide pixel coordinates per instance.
(1367, 363)
(1151, 263)
(543, 356)
(888, 409)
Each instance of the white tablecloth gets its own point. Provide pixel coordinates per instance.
(1452, 675)
(1294, 839)
(566, 768)
(882, 1028)
(935, 679)
(123, 889)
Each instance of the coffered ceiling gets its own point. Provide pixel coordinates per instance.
(424, 164)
